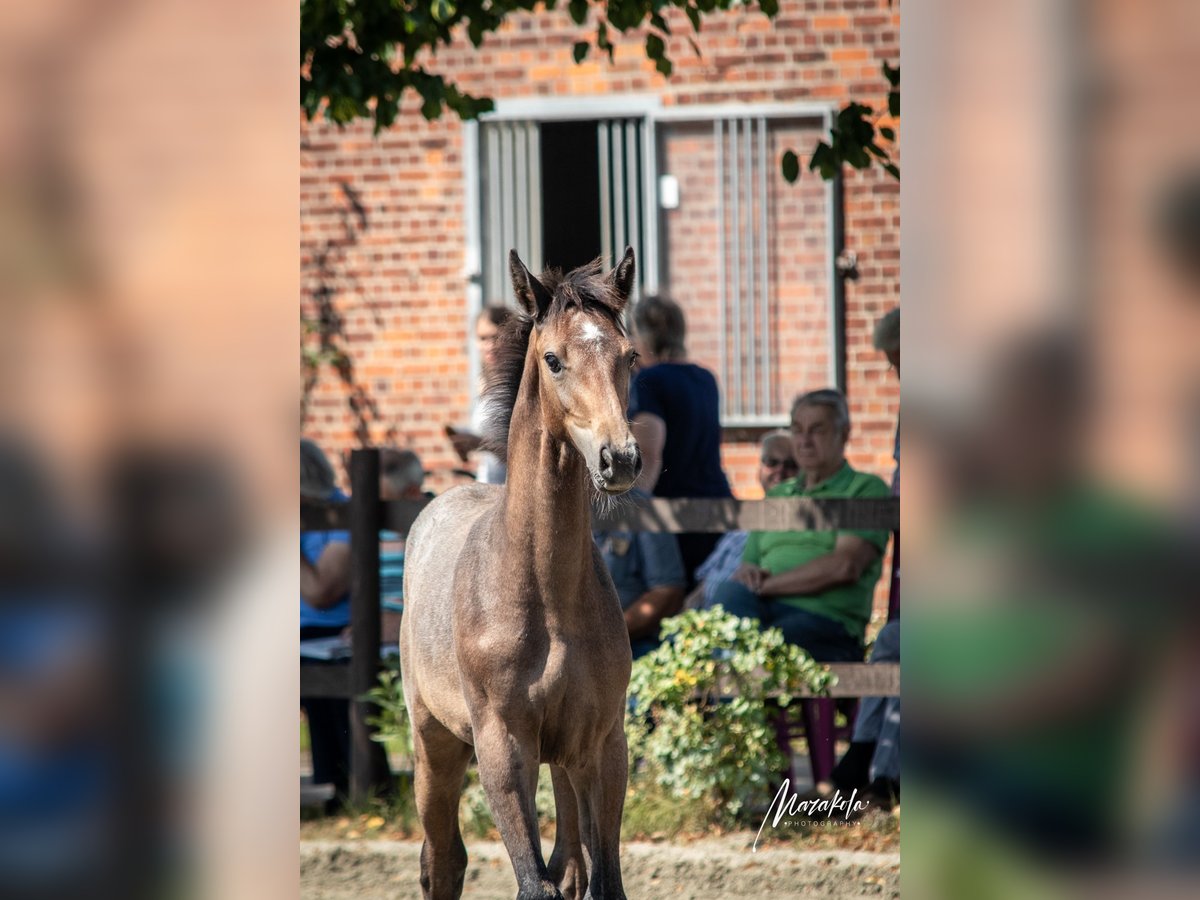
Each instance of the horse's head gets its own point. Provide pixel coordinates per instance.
(584, 360)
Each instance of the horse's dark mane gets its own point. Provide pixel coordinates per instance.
(584, 288)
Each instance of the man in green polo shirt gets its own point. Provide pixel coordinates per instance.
(815, 586)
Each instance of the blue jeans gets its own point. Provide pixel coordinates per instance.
(879, 717)
(825, 639)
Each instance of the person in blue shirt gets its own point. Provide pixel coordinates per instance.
(647, 572)
(324, 612)
(324, 555)
(674, 409)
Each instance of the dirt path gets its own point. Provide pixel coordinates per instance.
(711, 869)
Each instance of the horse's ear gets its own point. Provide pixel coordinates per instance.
(532, 293)
(621, 278)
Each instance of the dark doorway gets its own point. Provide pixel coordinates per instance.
(570, 194)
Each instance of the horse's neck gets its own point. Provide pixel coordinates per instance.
(547, 505)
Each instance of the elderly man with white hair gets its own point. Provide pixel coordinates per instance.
(815, 586)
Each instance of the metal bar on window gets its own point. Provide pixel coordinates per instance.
(494, 238)
(605, 189)
(619, 187)
(507, 238)
(735, 191)
(764, 291)
(748, 297)
(634, 182)
(535, 196)
(648, 261)
(521, 188)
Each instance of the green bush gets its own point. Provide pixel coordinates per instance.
(390, 726)
(698, 724)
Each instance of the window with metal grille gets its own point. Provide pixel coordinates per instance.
(748, 256)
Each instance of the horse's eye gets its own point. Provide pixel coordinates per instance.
(633, 358)
(553, 363)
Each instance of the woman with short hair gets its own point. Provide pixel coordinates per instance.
(675, 408)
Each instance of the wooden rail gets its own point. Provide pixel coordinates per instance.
(853, 680)
(670, 515)
(365, 515)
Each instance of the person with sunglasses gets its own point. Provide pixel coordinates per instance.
(777, 463)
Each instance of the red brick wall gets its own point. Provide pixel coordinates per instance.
(383, 236)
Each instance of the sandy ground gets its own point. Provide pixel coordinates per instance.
(710, 869)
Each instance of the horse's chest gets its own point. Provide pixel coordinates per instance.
(542, 670)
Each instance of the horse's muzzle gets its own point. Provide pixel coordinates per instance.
(620, 468)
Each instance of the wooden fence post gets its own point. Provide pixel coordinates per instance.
(364, 614)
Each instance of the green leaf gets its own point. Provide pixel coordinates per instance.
(824, 161)
(664, 66)
(888, 134)
(856, 155)
(791, 166)
(892, 75)
(442, 10)
(892, 169)
(654, 46)
(578, 11)
(770, 8)
(602, 41)
(580, 50)
(475, 31)
(693, 15)
(894, 104)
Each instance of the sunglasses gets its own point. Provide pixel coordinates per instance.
(772, 463)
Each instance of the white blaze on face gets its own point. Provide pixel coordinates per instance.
(591, 333)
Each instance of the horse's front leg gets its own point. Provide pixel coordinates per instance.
(600, 788)
(508, 769)
(567, 865)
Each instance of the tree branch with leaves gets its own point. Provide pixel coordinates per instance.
(359, 58)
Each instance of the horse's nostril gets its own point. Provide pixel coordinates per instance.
(606, 461)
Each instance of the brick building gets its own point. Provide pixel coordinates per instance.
(403, 235)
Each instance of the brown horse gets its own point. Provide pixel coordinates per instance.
(513, 642)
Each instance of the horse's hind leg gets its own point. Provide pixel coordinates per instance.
(567, 866)
(440, 765)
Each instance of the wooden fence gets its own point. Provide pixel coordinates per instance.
(365, 515)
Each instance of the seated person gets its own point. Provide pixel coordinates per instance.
(872, 763)
(775, 465)
(324, 612)
(647, 571)
(400, 478)
(815, 586)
